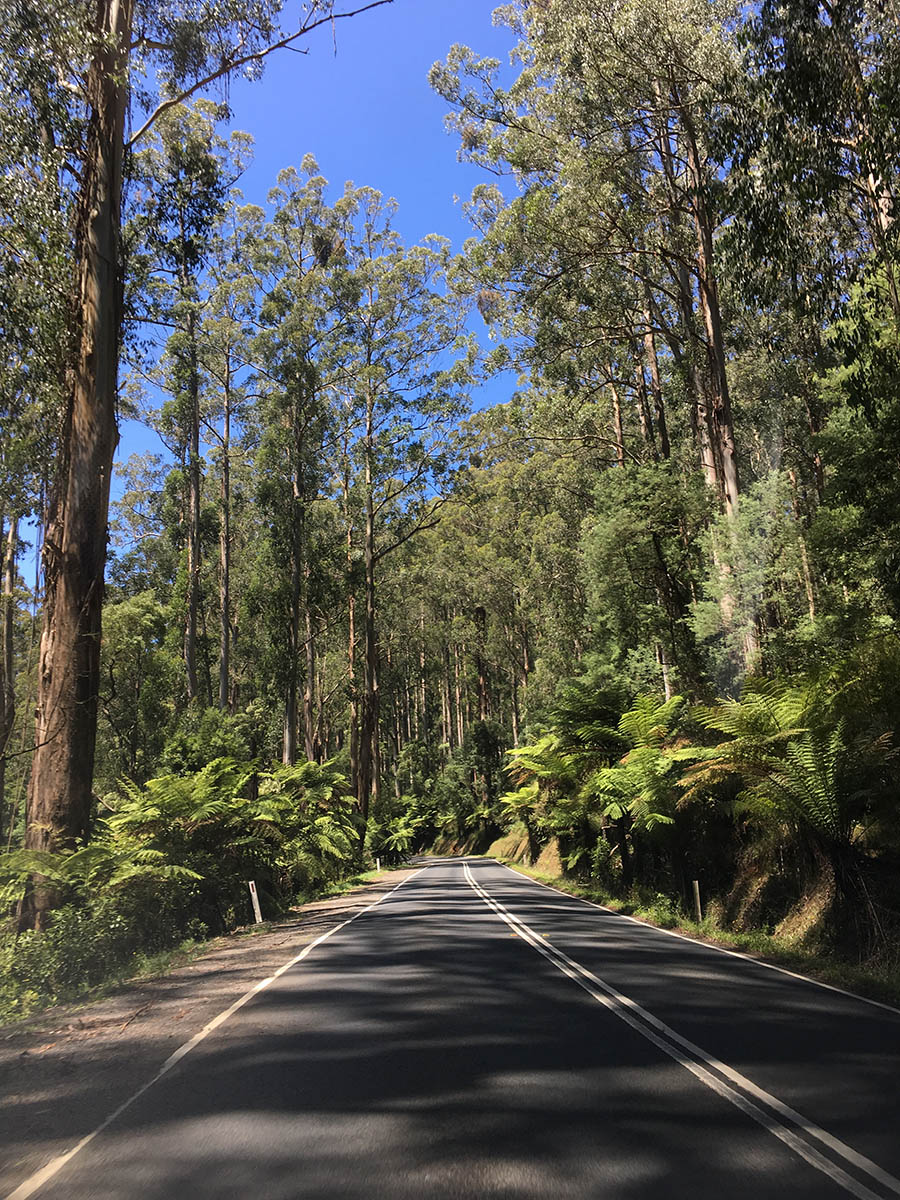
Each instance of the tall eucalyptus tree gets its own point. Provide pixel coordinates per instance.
(404, 362)
(225, 356)
(291, 256)
(607, 253)
(184, 174)
(150, 57)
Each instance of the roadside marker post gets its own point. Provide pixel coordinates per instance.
(251, 883)
(698, 911)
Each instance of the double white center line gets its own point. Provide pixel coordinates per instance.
(818, 1147)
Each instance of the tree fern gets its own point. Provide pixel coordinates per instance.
(792, 756)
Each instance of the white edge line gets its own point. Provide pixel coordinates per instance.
(37, 1180)
(619, 1005)
(698, 941)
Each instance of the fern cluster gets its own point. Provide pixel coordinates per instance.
(785, 758)
(171, 859)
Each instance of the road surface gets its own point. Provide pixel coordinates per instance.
(476, 1035)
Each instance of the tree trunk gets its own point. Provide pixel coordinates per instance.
(289, 738)
(664, 668)
(685, 357)
(722, 421)
(7, 680)
(516, 719)
(369, 747)
(309, 689)
(412, 730)
(480, 621)
(643, 410)
(617, 422)
(711, 415)
(422, 703)
(659, 409)
(193, 561)
(299, 570)
(322, 731)
(351, 637)
(446, 703)
(59, 794)
(457, 696)
(225, 554)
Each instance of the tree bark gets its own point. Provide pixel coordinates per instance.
(643, 410)
(7, 680)
(291, 688)
(369, 742)
(617, 425)
(514, 687)
(722, 420)
(446, 703)
(59, 794)
(457, 696)
(193, 513)
(225, 553)
(807, 576)
(659, 408)
(351, 635)
(686, 356)
(422, 696)
(484, 704)
(311, 746)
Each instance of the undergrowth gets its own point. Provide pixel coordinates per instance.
(88, 951)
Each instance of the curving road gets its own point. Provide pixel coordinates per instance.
(475, 1035)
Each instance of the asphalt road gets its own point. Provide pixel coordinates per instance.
(478, 1035)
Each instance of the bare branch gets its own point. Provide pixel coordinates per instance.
(243, 60)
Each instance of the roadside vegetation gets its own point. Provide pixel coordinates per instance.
(642, 616)
(803, 952)
(168, 867)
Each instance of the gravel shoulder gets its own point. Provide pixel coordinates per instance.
(62, 1074)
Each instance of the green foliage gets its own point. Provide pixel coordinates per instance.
(291, 828)
(575, 781)
(169, 860)
(120, 899)
(641, 569)
(791, 748)
(392, 835)
(641, 786)
(206, 734)
(88, 946)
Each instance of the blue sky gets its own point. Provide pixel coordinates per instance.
(366, 112)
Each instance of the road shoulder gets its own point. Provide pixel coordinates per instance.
(61, 1075)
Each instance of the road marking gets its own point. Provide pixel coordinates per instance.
(830, 987)
(788, 1125)
(36, 1181)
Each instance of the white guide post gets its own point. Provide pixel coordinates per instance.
(255, 900)
(698, 911)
